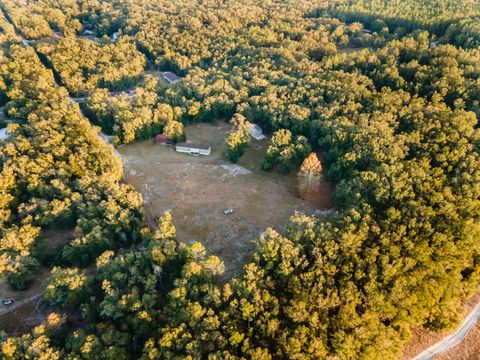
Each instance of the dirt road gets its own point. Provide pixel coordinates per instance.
(6, 309)
(452, 340)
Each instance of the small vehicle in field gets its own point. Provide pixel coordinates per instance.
(228, 211)
(8, 301)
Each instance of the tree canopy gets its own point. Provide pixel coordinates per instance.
(365, 83)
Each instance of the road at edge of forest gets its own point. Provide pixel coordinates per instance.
(454, 339)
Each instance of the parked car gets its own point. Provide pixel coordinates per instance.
(228, 211)
(8, 301)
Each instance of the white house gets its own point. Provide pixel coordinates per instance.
(193, 149)
(4, 134)
(255, 131)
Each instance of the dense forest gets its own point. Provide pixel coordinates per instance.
(450, 20)
(393, 112)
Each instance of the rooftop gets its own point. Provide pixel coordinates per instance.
(171, 77)
(193, 146)
(4, 134)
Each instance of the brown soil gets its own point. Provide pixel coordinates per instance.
(24, 317)
(424, 338)
(55, 238)
(36, 287)
(468, 349)
(198, 189)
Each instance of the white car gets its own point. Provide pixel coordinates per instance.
(8, 301)
(228, 211)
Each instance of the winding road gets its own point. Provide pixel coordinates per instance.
(454, 339)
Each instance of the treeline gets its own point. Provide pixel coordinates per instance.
(135, 115)
(55, 170)
(84, 65)
(37, 20)
(451, 20)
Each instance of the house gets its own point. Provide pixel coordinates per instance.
(434, 44)
(170, 77)
(87, 33)
(193, 149)
(4, 135)
(162, 139)
(255, 131)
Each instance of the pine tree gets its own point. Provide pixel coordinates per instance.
(309, 175)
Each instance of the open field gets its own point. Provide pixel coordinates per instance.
(197, 190)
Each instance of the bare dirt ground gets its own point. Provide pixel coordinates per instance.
(423, 339)
(36, 287)
(198, 189)
(55, 238)
(468, 349)
(25, 316)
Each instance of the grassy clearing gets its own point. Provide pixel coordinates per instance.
(198, 189)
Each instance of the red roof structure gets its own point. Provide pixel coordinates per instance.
(162, 138)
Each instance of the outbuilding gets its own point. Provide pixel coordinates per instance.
(193, 149)
(114, 37)
(4, 134)
(170, 77)
(162, 139)
(255, 131)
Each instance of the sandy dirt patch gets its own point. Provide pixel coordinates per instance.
(198, 189)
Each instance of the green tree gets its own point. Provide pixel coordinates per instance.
(238, 138)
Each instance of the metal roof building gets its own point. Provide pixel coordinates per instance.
(171, 77)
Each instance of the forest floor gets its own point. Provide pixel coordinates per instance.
(469, 348)
(198, 189)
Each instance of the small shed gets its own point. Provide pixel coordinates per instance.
(114, 37)
(193, 149)
(255, 131)
(162, 139)
(170, 77)
(4, 135)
